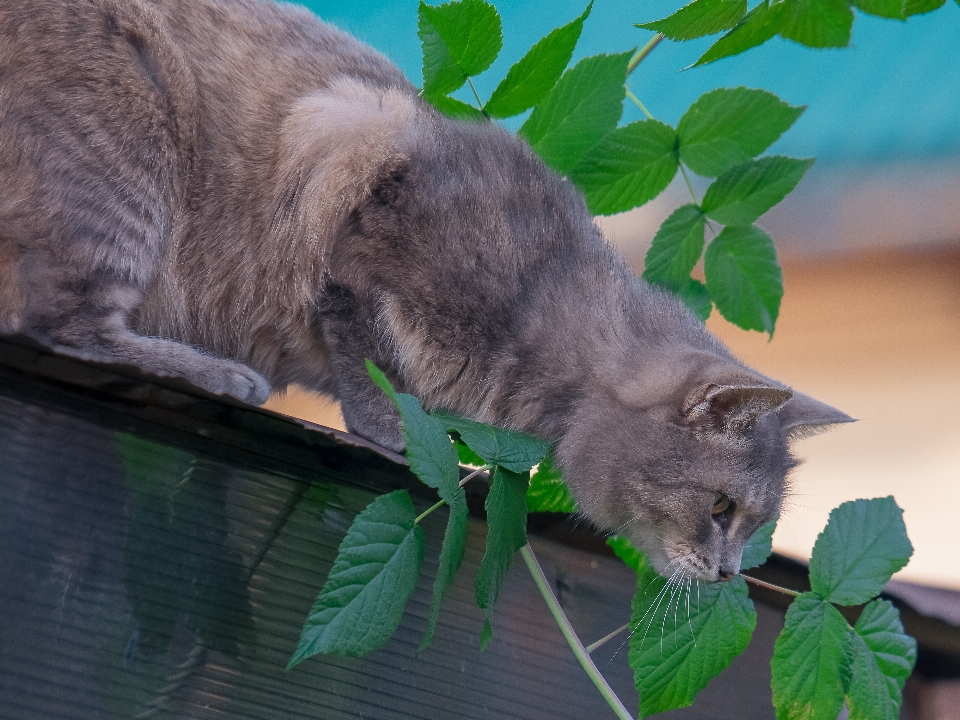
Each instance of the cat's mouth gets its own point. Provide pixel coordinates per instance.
(691, 562)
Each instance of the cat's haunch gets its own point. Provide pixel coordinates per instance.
(233, 192)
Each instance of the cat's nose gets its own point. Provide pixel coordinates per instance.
(724, 575)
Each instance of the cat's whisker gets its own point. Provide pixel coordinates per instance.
(640, 622)
(617, 529)
(788, 521)
(791, 505)
(666, 611)
(689, 613)
(676, 613)
(652, 608)
(678, 593)
(670, 584)
(621, 527)
(791, 501)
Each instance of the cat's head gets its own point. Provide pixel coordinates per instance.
(688, 458)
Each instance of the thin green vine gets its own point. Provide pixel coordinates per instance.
(579, 651)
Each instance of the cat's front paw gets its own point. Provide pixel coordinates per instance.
(384, 431)
(246, 385)
(224, 377)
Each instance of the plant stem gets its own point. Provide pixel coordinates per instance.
(683, 169)
(606, 638)
(769, 586)
(476, 94)
(572, 640)
(686, 179)
(472, 475)
(643, 52)
(463, 482)
(639, 104)
(429, 510)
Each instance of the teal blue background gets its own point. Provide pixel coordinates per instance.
(893, 95)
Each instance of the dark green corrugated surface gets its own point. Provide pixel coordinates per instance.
(159, 585)
(893, 95)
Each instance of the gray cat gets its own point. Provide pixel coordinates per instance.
(232, 192)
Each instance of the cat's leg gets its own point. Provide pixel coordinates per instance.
(87, 316)
(97, 142)
(350, 330)
(76, 253)
(10, 297)
(84, 227)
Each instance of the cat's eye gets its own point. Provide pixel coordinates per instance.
(720, 503)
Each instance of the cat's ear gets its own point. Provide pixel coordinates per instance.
(803, 416)
(733, 407)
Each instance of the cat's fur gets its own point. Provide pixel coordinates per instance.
(233, 192)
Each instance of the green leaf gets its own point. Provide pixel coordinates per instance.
(699, 18)
(919, 7)
(441, 73)
(863, 544)
(729, 126)
(531, 77)
(811, 667)
(375, 572)
(431, 454)
(817, 23)
(814, 23)
(676, 247)
(459, 39)
(380, 380)
(758, 547)
(893, 9)
(451, 556)
(675, 250)
(584, 105)
(506, 533)
(744, 278)
(466, 455)
(513, 450)
(548, 492)
(745, 192)
(684, 636)
(883, 656)
(758, 26)
(895, 652)
(457, 109)
(696, 297)
(633, 558)
(433, 458)
(628, 167)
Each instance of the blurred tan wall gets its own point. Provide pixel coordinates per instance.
(307, 406)
(878, 336)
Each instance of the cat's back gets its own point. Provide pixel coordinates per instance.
(278, 48)
(245, 61)
(236, 65)
(251, 61)
(246, 38)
